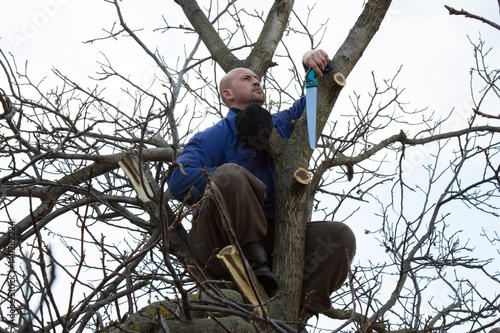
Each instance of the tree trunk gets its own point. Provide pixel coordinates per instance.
(291, 201)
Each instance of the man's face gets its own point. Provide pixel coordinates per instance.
(244, 89)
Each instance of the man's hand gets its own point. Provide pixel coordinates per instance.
(254, 125)
(317, 60)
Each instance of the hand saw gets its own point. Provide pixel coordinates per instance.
(311, 98)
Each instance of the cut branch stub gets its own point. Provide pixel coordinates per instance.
(339, 79)
(234, 264)
(137, 177)
(302, 176)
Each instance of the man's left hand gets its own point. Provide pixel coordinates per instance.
(317, 60)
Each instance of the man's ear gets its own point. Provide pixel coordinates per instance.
(227, 94)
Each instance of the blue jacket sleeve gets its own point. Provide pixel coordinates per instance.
(195, 156)
(207, 149)
(283, 118)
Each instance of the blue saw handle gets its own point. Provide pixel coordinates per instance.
(311, 79)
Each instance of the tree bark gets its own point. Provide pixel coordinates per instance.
(262, 53)
(260, 58)
(205, 29)
(292, 211)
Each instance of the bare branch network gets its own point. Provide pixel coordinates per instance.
(92, 240)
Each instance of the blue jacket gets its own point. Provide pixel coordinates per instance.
(221, 144)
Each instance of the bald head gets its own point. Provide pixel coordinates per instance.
(226, 83)
(240, 87)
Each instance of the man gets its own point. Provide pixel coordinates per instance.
(244, 173)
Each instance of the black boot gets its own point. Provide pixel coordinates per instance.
(257, 258)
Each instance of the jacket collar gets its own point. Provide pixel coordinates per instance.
(230, 117)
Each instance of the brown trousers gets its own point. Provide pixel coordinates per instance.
(326, 265)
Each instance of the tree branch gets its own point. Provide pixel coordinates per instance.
(462, 12)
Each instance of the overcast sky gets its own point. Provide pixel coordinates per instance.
(420, 35)
(432, 46)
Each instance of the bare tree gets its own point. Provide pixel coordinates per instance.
(88, 173)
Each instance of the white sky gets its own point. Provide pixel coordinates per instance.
(431, 45)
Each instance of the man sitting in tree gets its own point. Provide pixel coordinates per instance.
(233, 152)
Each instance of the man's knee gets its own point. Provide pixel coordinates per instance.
(229, 173)
(330, 238)
(346, 237)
